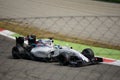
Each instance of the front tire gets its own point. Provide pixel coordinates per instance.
(63, 59)
(75, 61)
(89, 54)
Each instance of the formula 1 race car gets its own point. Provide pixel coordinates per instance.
(45, 50)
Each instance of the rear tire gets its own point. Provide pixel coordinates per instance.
(15, 53)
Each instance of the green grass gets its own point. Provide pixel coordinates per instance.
(16, 35)
(103, 52)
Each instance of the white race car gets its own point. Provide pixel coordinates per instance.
(45, 50)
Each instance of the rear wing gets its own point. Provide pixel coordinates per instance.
(20, 41)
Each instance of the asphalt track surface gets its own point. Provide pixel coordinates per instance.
(20, 69)
(44, 8)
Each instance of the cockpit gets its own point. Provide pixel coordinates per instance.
(45, 42)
